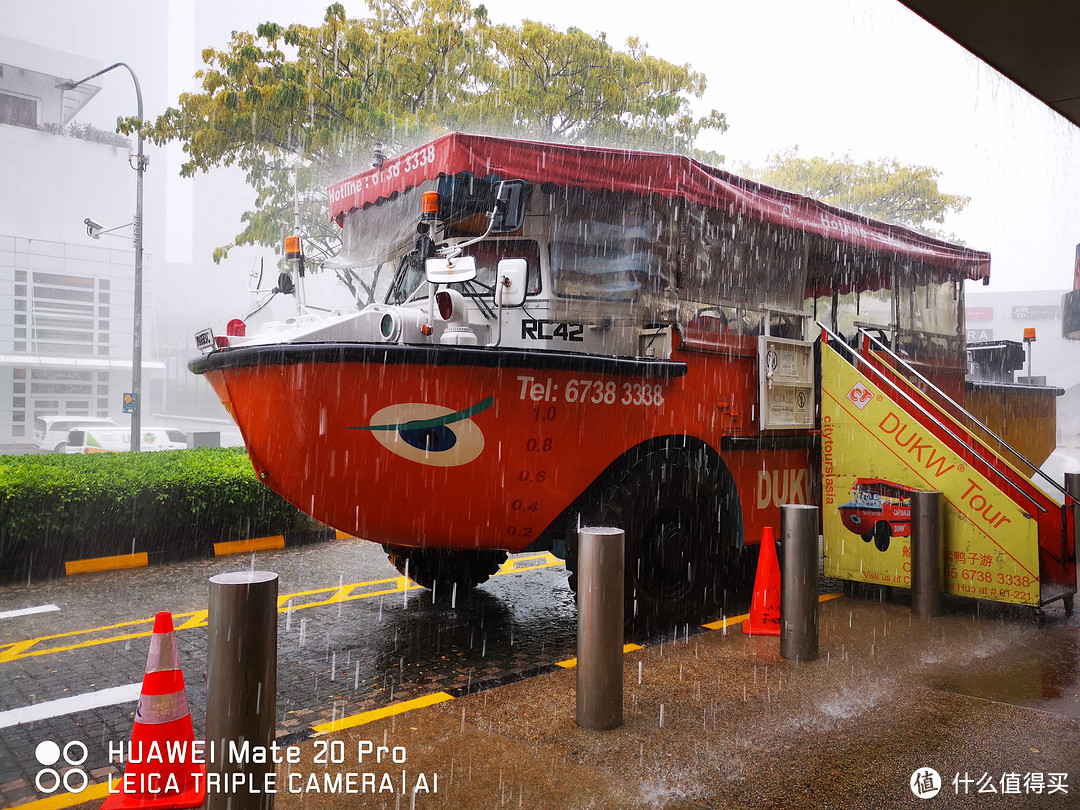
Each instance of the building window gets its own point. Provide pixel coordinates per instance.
(19, 111)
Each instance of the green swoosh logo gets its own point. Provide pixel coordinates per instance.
(438, 421)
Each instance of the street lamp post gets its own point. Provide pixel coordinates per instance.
(137, 227)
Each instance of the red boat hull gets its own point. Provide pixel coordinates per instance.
(477, 448)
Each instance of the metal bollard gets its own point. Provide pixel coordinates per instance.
(241, 675)
(799, 582)
(927, 553)
(600, 628)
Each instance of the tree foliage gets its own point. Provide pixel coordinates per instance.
(306, 105)
(881, 189)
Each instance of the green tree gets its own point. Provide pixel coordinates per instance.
(299, 107)
(881, 189)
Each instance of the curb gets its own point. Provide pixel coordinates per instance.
(115, 563)
(140, 559)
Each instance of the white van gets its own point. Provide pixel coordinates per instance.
(51, 432)
(118, 439)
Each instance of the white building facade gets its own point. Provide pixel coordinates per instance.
(66, 300)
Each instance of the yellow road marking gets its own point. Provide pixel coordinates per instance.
(92, 794)
(254, 544)
(188, 621)
(570, 663)
(377, 714)
(106, 563)
(728, 621)
(720, 624)
(198, 619)
(515, 564)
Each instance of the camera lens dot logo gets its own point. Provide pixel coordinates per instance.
(74, 779)
(47, 753)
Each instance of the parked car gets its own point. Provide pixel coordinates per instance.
(118, 439)
(51, 432)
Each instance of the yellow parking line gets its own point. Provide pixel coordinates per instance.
(194, 619)
(198, 619)
(91, 794)
(115, 563)
(727, 621)
(570, 663)
(377, 714)
(515, 564)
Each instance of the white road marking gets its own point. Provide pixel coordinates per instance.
(11, 614)
(70, 705)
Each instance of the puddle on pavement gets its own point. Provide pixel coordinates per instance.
(1043, 675)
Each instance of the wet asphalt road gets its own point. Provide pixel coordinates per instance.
(341, 652)
(355, 641)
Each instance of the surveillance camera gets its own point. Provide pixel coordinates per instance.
(93, 228)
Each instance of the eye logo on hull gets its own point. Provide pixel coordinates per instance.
(429, 434)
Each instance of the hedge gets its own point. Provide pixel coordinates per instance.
(173, 504)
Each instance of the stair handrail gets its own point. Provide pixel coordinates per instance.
(878, 373)
(967, 414)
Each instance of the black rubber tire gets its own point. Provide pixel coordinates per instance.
(867, 537)
(60, 448)
(440, 570)
(678, 507)
(882, 535)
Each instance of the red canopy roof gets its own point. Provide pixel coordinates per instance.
(671, 176)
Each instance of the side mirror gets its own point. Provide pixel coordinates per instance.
(510, 282)
(510, 202)
(440, 270)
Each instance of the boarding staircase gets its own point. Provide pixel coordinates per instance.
(983, 450)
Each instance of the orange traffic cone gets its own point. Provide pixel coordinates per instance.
(159, 772)
(765, 606)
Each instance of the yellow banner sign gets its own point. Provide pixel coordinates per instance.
(873, 456)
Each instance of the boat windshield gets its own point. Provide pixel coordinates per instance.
(488, 254)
